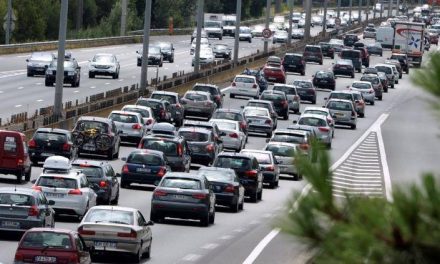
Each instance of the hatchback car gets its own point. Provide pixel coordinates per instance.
(274, 73)
(343, 112)
(383, 80)
(359, 103)
(183, 195)
(313, 53)
(319, 111)
(396, 63)
(245, 34)
(343, 94)
(327, 50)
(163, 129)
(294, 62)
(260, 78)
(248, 171)
(366, 89)
(155, 56)
(279, 101)
(102, 178)
(202, 143)
(259, 120)
(375, 48)
(49, 245)
(213, 90)
(280, 36)
(130, 125)
(388, 70)
(365, 57)
(285, 155)
(38, 62)
(268, 165)
(176, 108)
(323, 128)
(144, 111)
(306, 90)
(161, 108)
(72, 73)
(403, 59)
(232, 135)
(244, 85)
(324, 79)
(376, 84)
(204, 124)
(291, 93)
(226, 186)
(198, 104)
(167, 50)
(295, 136)
(48, 142)
(344, 67)
(233, 115)
(104, 64)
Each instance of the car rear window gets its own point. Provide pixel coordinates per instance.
(110, 216)
(345, 96)
(316, 112)
(263, 158)
(233, 162)
(152, 104)
(181, 183)
(258, 104)
(227, 116)
(357, 96)
(342, 106)
(374, 80)
(312, 121)
(350, 54)
(225, 125)
(145, 159)
(312, 49)
(244, 80)
(209, 89)
(50, 136)
(384, 69)
(358, 85)
(217, 175)
(41, 239)
(324, 75)
(288, 138)
(196, 97)
(255, 112)
(10, 144)
(290, 59)
(303, 84)
(144, 113)
(166, 146)
(124, 118)
(169, 98)
(285, 89)
(89, 171)
(280, 150)
(88, 125)
(194, 136)
(16, 199)
(272, 97)
(57, 182)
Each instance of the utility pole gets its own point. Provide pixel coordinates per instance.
(123, 17)
(59, 81)
(200, 5)
(308, 18)
(360, 12)
(367, 12)
(324, 20)
(289, 35)
(277, 6)
(237, 32)
(350, 12)
(338, 9)
(145, 46)
(79, 14)
(389, 8)
(266, 43)
(8, 23)
(397, 9)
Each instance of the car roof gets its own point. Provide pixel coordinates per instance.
(272, 92)
(256, 151)
(293, 54)
(104, 54)
(227, 120)
(195, 122)
(150, 99)
(112, 207)
(245, 76)
(365, 82)
(206, 84)
(198, 92)
(290, 131)
(138, 106)
(54, 130)
(163, 126)
(339, 100)
(19, 190)
(122, 112)
(260, 101)
(282, 85)
(254, 107)
(205, 168)
(281, 144)
(95, 118)
(165, 92)
(316, 115)
(316, 108)
(96, 163)
(163, 137)
(195, 129)
(187, 175)
(51, 229)
(340, 91)
(234, 154)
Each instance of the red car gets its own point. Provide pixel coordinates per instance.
(274, 73)
(49, 245)
(14, 158)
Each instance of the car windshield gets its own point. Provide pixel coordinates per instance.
(324, 75)
(346, 96)
(196, 97)
(16, 199)
(144, 159)
(50, 239)
(285, 89)
(303, 84)
(244, 80)
(316, 112)
(338, 105)
(167, 97)
(258, 104)
(165, 46)
(194, 136)
(272, 97)
(226, 125)
(143, 112)
(153, 50)
(312, 121)
(67, 64)
(217, 175)
(373, 80)
(255, 112)
(233, 162)
(150, 103)
(263, 158)
(41, 57)
(370, 29)
(90, 125)
(384, 69)
(227, 115)
(220, 47)
(245, 30)
(57, 182)
(359, 85)
(288, 138)
(181, 183)
(167, 147)
(50, 137)
(209, 89)
(212, 24)
(89, 171)
(110, 216)
(280, 150)
(103, 59)
(124, 118)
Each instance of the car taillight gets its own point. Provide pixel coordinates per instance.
(284, 103)
(132, 234)
(251, 173)
(102, 184)
(304, 146)
(136, 126)
(180, 150)
(149, 121)
(32, 144)
(81, 231)
(268, 121)
(159, 193)
(208, 103)
(233, 135)
(33, 211)
(254, 86)
(37, 188)
(19, 257)
(218, 98)
(243, 124)
(161, 172)
(75, 192)
(210, 148)
(125, 168)
(199, 196)
(360, 103)
(66, 147)
(233, 84)
(311, 91)
(270, 168)
(229, 188)
(323, 129)
(20, 162)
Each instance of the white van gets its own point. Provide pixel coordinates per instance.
(384, 35)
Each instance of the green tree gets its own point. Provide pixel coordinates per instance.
(369, 230)
(31, 22)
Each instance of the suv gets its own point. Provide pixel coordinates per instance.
(313, 53)
(403, 59)
(247, 169)
(96, 135)
(364, 55)
(214, 90)
(294, 62)
(72, 73)
(38, 62)
(177, 110)
(291, 94)
(167, 50)
(48, 142)
(161, 108)
(327, 50)
(350, 39)
(355, 56)
(102, 178)
(279, 100)
(175, 149)
(14, 156)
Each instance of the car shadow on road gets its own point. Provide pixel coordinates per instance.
(11, 235)
(148, 188)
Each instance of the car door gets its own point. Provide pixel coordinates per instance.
(47, 214)
(117, 139)
(111, 176)
(144, 231)
(186, 156)
(83, 253)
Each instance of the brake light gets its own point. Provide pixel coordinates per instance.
(210, 148)
(149, 121)
(66, 147)
(254, 86)
(33, 211)
(74, 258)
(233, 135)
(229, 188)
(132, 234)
(161, 172)
(125, 168)
(20, 162)
(251, 173)
(32, 144)
(81, 231)
(371, 91)
(75, 192)
(37, 188)
(199, 196)
(324, 129)
(304, 146)
(136, 126)
(233, 84)
(180, 150)
(18, 256)
(270, 168)
(102, 184)
(208, 103)
(160, 193)
(268, 121)
(217, 97)
(360, 103)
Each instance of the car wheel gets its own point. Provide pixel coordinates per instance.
(155, 217)
(353, 127)
(27, 175)
(296, 177)
(125, 184)
(92, 75)
(392, 85)
(212, 217)
(269, 134)
(250, 40)
(321, 62)
(20, 176)
(314, 101)
(380, 98)
(48, 83)
(231, 95)
(273, 185)
(115, 75)
(260, 195)
(171, 60)
(254, 197)
(29, 74)
(235, 207)
(116, 200)
(137, 257)
(303, 73)
(329, 145)
(286, 116)
(362, 115)
(204, 220)
(241, 205)
(352, 76)
(110, 154)
(381, 54)
(407, 71)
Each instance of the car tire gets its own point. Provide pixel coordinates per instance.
(353, 127)
(381, 54)
(231, 95)
(296, 176)
(380, 98)
(92, 75)
(110, 154)
(362, 115)
(254, 197)
(147, 253)
(161, 64)
(220, 38)
(137, 257)
(250, 40)
(273, 185)
(204, 220)
(116, 200)
(29, 74)
(235, 207)
(171, 60)
(269, 134)
(392, 85)
(20, 176)
(329, 145)
(155, 217)
(303, 73)
(125, 184)
(314, 101)
(286, 116)
(212, 217)
(115, 76)
(27, 175)
(352, 76)
(407, 71)
(321, 62)
(241, 205)
(34, 163)
(48, 83)
(260, 195)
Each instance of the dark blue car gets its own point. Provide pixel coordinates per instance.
(259, 75)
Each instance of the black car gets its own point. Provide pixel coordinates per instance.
(177, 110)
(222, 51)
(324, 79)
(48, 142)
(403, 59)
(233, 115)
(167, 50)
(354, 55)
(279, 101)
(344, 67)
(247, 169)
(350, 39)
(96, 135)
(214, 90)
(72, 73)
(202, 143)
(211, 126)
(155, 56)
(102, 178)
(38, 63)
(313, 53)
(175, 149)
(327, 50)
(306, 90)
(226, 186)
(375, 48)
(144, 167)
(294, 62)
(259, 76)
(161, 108)
(183, 195)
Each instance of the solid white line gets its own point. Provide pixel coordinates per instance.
(361, 161)
(354, 185)
(385, 169)
(338, 179)
(359, 192)
(259, 248)
(210, 246)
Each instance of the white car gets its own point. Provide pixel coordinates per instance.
(244, 85)
(206, 56)
(146, 113)
(245, 34)
(104, 64)
(317, 20)
(69, 188)
(280, 36)
(130, 125)
(320, 111)
(204, 42)
(233, 136)
(257, 31)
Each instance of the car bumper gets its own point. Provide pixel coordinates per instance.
(70, 208)
(325, 85)
(232, 143)
(260, 129)
(202, 158)
(348, 122)
(288, 169)
(179, 210)
(276, 79)
(294, 106)
(269, 177)
(250, 187)
(306, 97)
(343, 72)
(36, 70)
(293, 69)
(14, 224)
(243, 92)
(225, 198)
(198, 111)
(67, 79)
(102, 71)
(140, 178)
(121, 245)
(313, 59)
(368, 97)
(38, 155)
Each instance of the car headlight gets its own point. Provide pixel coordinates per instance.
(70, 73)
(50, 72)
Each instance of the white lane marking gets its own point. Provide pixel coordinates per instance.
(76, 91)
(92, 87)
(191, 257)
(107, 83)
(40, 100)
(378, 180)
(1, 92)
(210, 246)
(39, 83)
(12, 71)
(23, 56)
(386, 171)
(19, 88)
(226, 89)
(128, 65)
(226, 237)
(238, 230)
(19, 105)
(254, 222)
(259, 248)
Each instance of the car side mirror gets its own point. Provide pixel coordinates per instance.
(124, 158)
(242, 106)
(223, 94)
(149, 223)
(222, 133)
(137, 52)
(34, 181)
(51, 202)
(118, 175)
(295, 121)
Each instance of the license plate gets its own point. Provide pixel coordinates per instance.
(89, 148)
(271, 78)
(56, 195)
(45, 259)
(10, 224)
(293, 66)
(101, 244)
(123, 134)
(323, 81)
(44, 154)
(410, 59)
(180, 197)
(147, 170)
(195, 148)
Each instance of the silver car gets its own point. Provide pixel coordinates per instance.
(232, 134)
(320, 111)
(323, 128)
(280, 36)
(369, 33)
(268, 165)
(258, 119)
(24, 208)
(285, 155)
(146, 113)
(104, 64)
(293, 98)
(343, 112)
(130, 125)
(245, 34)
(244, 85)
(388, 70)
(366, 89)
(117, 229)
(199, 104)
